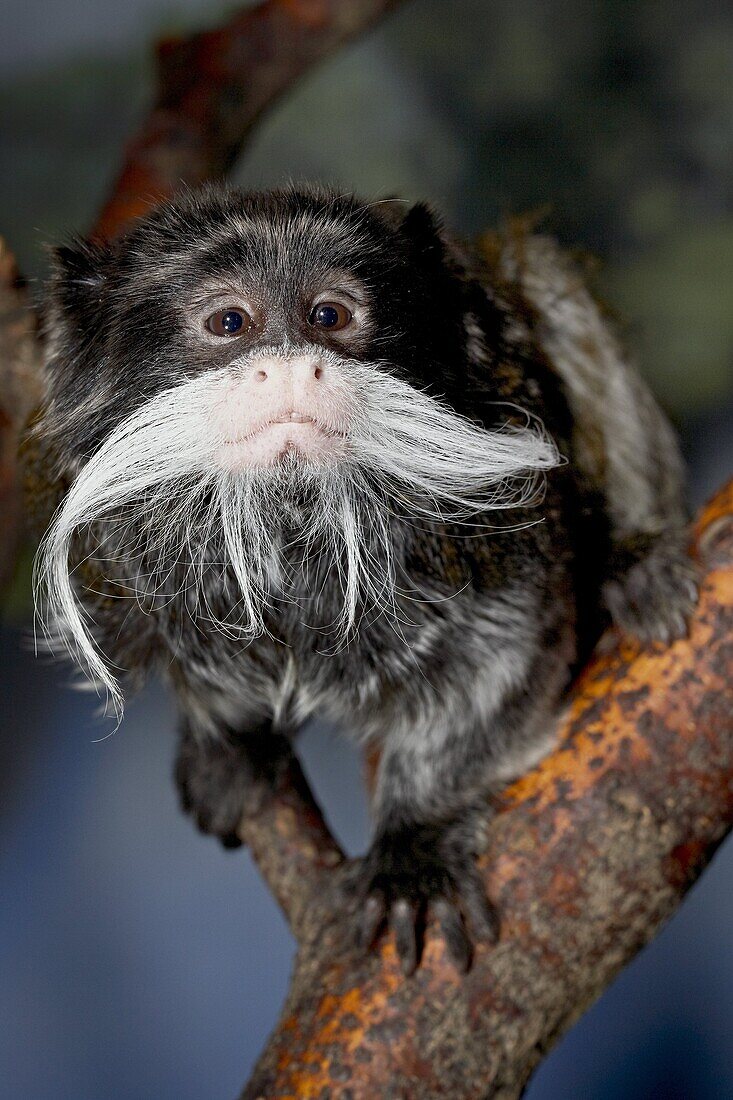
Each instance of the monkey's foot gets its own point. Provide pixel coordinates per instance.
(221, 781)
(413, 872)
(654, 590)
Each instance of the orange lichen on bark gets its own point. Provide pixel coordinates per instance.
(619, 686)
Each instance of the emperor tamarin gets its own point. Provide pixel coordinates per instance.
(308, 455)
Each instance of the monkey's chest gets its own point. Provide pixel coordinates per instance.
(298, 672)
(450, 622)
(393, 673)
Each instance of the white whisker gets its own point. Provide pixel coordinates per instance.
(154, 517)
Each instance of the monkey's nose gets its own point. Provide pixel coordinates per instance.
(301, 369)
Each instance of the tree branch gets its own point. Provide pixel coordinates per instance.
(213, 88)
(293, 847)
(591, 853)
(21, 387)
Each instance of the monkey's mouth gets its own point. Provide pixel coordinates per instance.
(294, 434)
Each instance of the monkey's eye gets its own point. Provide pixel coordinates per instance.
(330, 315)
(229, 322)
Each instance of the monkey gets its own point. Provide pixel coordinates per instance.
(305, 455)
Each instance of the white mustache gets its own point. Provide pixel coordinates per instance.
(422, 446)
(408, 454)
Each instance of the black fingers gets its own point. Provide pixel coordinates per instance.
(404, 919)
(478, 910)
(221, 779)
(230, 841)
(652, 595)
(457, 940)
(414, 875)
(372, 920)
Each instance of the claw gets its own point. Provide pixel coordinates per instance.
(231, 841)
(412, 873)
(454, 933)
(404, 916)
(375, 911)
(481, 914)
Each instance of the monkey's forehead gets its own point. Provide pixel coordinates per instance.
(272, 232)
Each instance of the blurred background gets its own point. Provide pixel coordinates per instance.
(138, 959)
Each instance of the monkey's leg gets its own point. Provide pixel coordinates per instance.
(221, 778)
(430, 806)
(622, 440)
(653, 584)
(492, 718)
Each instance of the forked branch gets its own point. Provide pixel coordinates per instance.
(214, 86)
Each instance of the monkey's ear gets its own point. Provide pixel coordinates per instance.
(424, 231)
(391, 210)
(416, 221)
(76, 288)
(79, 270)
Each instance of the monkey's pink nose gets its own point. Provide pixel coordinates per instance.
(299, 372)
(280, 404)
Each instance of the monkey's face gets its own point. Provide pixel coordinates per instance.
(292, 330)
(242, 364)
(280, 317)
(273, 302)
(272, 308)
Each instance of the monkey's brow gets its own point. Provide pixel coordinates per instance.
(336, 281)
(339, 279)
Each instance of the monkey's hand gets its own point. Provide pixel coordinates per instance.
(219, 781)
(411, 871)
(653, 588)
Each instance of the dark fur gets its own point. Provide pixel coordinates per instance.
(460, 699)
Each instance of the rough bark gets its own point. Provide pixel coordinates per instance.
(590, 854)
